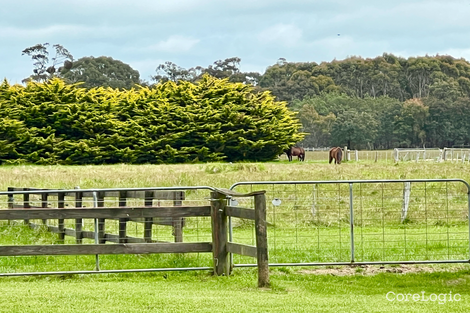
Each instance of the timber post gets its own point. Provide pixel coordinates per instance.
(219, 234)
(101, 221)
(261, 240)
(26, 204)
(61, 221)
(148, 221)
(78, 221)
(179, 221)
(122, 221)
(44, 204)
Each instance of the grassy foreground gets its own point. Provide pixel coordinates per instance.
(292, 291)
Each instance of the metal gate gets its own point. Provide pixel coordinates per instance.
(361, 222)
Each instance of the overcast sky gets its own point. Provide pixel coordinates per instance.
(146, 33)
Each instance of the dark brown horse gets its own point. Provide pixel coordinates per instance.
(295, 151)
(337, 154)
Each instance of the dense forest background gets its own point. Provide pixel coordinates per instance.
(375, 103)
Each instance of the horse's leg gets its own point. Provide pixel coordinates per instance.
(331, 158)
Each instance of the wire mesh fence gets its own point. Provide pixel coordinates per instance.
(361, 221)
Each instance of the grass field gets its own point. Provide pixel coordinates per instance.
(291, 291)
(379, 235)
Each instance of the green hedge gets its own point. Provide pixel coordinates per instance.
(212, 120)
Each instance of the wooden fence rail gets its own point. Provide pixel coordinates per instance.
(123, 196)
(218, 210)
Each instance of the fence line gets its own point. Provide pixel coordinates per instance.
(306, 223)
(101, 211)
(396, 155)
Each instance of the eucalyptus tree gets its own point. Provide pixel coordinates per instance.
(46, 68)
(409, 124)
(227, 68)
(102, 72)
(357, 130)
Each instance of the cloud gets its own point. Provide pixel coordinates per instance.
(281, 34)
(335, 42)
(64, 31)
(44, 32)
(146, 33)
(175, 44)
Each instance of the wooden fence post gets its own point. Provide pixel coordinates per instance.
(11, 199)
(122, 221)
(101, 221)
(78, 221)
(26, 204)
(148, 221)
(61, 221)
(178, 221)
(261, 240)
(219, 234)
(406, 201)
(44, 197)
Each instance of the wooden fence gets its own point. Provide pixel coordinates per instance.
(218, 211)
(123, 196)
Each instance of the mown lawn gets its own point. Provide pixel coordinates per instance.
(292, 291)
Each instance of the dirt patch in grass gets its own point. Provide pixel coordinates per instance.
(377, 269)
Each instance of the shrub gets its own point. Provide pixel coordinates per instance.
(212, 120)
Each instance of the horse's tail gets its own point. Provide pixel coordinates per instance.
(340, 155)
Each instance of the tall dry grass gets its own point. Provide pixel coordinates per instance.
(218, 174)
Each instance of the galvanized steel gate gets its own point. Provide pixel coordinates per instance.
(361, 222)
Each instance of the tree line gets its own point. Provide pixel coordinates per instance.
(334, 119)
(382, 102)
(386, 75)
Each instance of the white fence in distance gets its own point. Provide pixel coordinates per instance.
(454, 155)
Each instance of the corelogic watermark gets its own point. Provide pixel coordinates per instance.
(441, 298)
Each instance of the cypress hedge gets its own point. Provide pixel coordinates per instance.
(211, 120)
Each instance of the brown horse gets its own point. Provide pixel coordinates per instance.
(337, 154)
(295, 151)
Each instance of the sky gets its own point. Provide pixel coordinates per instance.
(190, 33)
